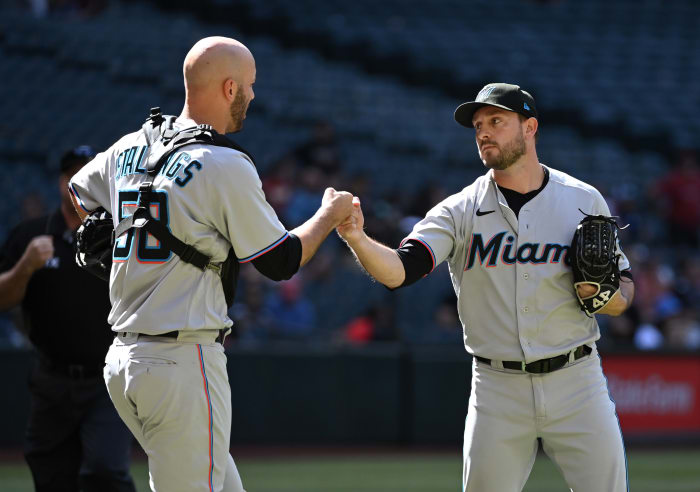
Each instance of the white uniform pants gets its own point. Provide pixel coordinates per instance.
(175, 398)
(570, 409)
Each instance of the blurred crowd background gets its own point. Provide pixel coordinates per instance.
(359, 96)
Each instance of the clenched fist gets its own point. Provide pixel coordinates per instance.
(38, 252)
(351, 228)
(338, 205)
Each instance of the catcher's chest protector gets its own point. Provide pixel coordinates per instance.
(163, 141)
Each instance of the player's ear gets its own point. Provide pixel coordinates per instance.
(230, 88)
(531, 126)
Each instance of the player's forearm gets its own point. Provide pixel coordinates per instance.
(313, 232)
(13, 285)
(621, 300)
(380, 261)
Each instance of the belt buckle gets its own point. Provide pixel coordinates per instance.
(537, 366)
(523, 365)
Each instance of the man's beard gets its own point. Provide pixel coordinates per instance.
(237, 109)
(508, 155)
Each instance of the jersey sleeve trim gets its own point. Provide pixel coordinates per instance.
(74, 192)
(427, 246)
(265, 250)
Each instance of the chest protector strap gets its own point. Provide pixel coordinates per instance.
(164, 140)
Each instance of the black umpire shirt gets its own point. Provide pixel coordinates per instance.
(65, 308)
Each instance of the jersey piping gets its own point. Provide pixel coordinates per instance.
(72, 189)
(427, 246)
(265, 250)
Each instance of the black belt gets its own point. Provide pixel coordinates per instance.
(73, 371)
(542, 365)
(176, 333)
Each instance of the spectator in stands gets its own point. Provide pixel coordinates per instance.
(683, 331)
(75, 440)
(293, 315)
(618, 332)
(375, 324)
(385, 217)
(651, 279)
(304, 200)
(252, 320)
(688, 281)
(279, 183)
(322, 150)
(648, 337)
(418, 205)
(679, 196)
(425, 198)
(360, 330)
(446, 327)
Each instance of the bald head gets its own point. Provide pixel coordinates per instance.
(215, 59)
(218, 72)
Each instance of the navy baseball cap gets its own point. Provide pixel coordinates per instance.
(79, 155)
(506, 96)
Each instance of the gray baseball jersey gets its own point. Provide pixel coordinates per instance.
(515, 291)
(209, 197)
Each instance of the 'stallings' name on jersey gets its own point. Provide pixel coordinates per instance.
(179, 167)
(497, 249)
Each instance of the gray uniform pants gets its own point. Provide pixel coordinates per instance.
(570, 409)
(175, 397)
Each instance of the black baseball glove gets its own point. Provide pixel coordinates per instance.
(94, 242)
(594, 260)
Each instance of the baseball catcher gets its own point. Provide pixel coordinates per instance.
(594, 260)
(96, 236)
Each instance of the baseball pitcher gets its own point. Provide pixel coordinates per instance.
(532, 254)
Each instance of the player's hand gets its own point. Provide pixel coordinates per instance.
(586, 290)
(338, 204)
(352, 228)
(38, 252)
(618, 302)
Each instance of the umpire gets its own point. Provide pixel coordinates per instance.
(75, 439)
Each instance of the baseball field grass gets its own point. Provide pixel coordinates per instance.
(649, 471)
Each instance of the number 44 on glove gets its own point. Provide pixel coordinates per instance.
(594, 260)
